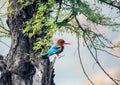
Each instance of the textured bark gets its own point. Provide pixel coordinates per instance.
(2, 64)
(19, 70)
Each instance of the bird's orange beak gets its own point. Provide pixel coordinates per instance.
(67, 43)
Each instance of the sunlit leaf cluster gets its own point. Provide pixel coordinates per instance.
(41, 23)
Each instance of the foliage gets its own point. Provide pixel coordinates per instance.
(49, 18)
(3, 28)
(3, 31)
(42, 22)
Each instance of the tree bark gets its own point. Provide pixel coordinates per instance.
(20, 70)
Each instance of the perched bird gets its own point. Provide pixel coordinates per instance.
(56, 48)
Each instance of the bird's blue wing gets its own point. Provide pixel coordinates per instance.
(54, 49)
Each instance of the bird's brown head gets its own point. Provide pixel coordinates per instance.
(62, 42)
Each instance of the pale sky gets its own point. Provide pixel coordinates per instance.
(68, 70)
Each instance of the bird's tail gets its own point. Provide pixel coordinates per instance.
(45, 56)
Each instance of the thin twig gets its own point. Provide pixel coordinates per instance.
(82, 64)
(109, 42)
(103, 39)
(108, 52)
(66, 20)
(93, 54)
(110, 3)
(100, 49)
(60, 4)
(3, 32)
(3, 5)
(113, 46)
(98, 62)
(4, 43)
(2, 26)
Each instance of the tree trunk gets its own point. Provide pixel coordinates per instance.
(20, 70)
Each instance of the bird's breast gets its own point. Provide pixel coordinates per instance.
(61, 49)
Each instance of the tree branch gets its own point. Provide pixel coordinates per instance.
(93, 54)
(2, 26)
(60, 4)
(3, 4)
(110, 3)
(108, 52)
(66, 20)
(5, 43)
(99, 63)
(3, 32)
(82, 64)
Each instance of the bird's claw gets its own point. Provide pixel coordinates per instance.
(60, 56)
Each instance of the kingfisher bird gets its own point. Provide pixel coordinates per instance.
(56, 48)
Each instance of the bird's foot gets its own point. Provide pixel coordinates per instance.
(60, 56)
